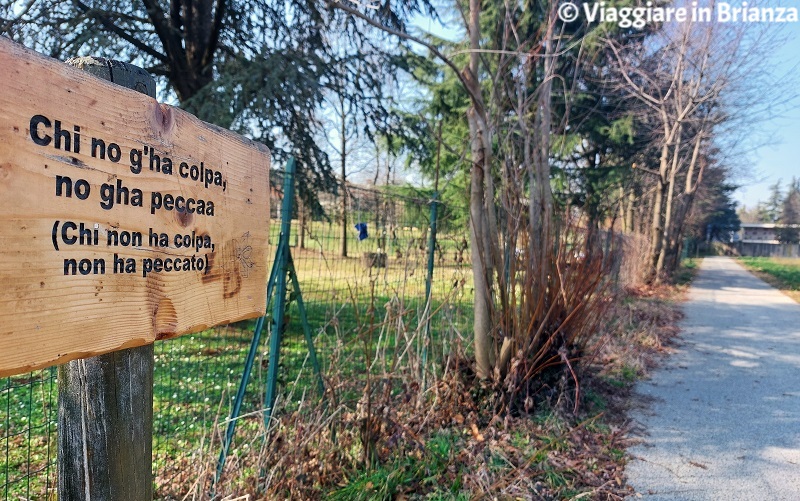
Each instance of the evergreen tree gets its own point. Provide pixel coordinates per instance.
(774, 204)
(789, 233)
(715, 214)
(259, 67)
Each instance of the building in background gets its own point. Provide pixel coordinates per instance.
(761, 239)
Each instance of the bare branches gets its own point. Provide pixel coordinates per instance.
(104, 18)
(405, 36)
(690, 79)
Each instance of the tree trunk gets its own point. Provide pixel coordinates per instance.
(665, 235)
(481, 205)
(655, 226)
(541, 197)
(689, 191)
(484, 346)
(658, 201)
(629, 220)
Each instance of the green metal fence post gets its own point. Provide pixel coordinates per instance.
(248, 367)
(428, 287)
(279, 307)
(282, 267)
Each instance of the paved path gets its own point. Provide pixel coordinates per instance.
(723, 418)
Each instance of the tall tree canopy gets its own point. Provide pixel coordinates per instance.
(260, 67)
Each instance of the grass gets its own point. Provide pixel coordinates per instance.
(686, 271)
(27, 436)
(339, 296)
(425, 469)
(785, 271)
(193, 374)
(781, 273)
(539, 456)
(197, 375)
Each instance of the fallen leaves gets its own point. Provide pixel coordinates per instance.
(476, 434)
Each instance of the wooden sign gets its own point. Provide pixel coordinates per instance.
(122, 220)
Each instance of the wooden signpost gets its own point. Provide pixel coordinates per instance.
(122, 220)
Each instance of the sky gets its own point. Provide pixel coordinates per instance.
(781, 158)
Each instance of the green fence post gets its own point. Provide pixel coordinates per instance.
(301, 307)
(428, 287)
(282, 267)
(279, 307)
(248, 367)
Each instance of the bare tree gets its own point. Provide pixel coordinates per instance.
(344, 144)
(693, 80)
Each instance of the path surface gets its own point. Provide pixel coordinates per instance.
(722, 420)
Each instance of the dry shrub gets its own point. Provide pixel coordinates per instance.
(312, 451)
(644, 323)
(317, 453)
(551, 316)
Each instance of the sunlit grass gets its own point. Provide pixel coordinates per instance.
(782, 273)
(196, 376)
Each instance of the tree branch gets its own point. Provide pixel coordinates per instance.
(104, 19)
(640, 92)
(165, 33)
(213, 40)
(643, 169)
(405, 36)
(10, 22)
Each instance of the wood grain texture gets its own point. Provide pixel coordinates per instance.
(105, 402)
(47, 317)
(105, 427)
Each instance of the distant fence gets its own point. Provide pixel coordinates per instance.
(196, 376)
(761, 249)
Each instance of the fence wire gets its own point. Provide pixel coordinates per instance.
(378, 279)
(28, 435)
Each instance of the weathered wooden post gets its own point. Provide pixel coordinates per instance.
(105, 403)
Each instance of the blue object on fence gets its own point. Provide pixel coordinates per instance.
(362, 231)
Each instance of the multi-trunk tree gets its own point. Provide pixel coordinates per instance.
(535, 274)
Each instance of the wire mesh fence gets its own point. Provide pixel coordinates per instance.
(362, 262)
(366, 300)
(382, 271)
(28, 435)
